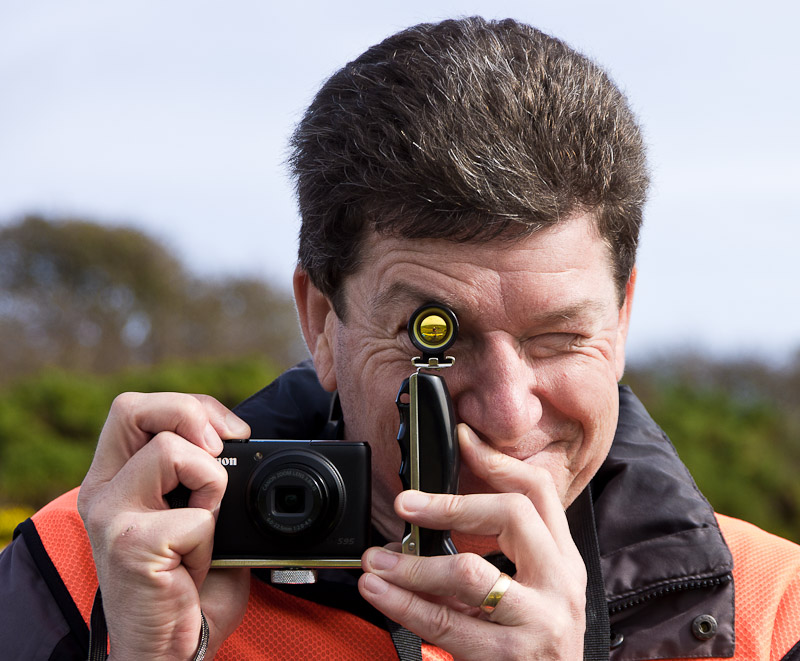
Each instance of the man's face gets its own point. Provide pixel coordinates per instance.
(539, 352)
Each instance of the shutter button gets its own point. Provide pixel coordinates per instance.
(704, 627)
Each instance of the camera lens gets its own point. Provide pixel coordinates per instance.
(297, 494)
(289, 500)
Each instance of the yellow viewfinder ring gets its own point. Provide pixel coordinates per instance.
(433, 328)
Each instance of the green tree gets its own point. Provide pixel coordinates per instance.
(50, 422)
(736, 427)
(84, 296)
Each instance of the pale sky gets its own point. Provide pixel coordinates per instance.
(174, 117)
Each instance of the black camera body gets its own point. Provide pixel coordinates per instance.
(294, 504)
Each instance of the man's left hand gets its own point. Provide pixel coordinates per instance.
(541, 615)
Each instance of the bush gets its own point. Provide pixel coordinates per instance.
(741, 448)
(10, 518)
(49, 424)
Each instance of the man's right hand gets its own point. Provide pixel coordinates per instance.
(152, 561)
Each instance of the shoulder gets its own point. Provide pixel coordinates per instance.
(766, 571)
(768, 561)
(757, 547)
(38, 571)
(66, 543)
(293, 406)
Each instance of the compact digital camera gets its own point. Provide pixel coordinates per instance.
(294, 504)
(306, 504)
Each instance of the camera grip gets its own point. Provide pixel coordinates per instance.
(429, 451)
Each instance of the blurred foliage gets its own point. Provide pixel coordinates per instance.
(736, 425)
(10, 518)
(49, 423)
(89, 297)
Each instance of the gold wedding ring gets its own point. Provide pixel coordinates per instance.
(499, 589)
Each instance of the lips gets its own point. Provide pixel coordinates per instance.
(566, 436)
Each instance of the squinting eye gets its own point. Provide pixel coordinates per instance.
(549, 344)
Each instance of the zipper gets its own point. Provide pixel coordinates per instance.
(679, 586)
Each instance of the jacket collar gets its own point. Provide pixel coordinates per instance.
(663, 557)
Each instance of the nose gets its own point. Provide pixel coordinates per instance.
(496, 393)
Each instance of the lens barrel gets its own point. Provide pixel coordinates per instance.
(297, 494)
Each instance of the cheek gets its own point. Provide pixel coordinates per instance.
(586, 391)
(592, 399)
(368, 404)
(371, 416)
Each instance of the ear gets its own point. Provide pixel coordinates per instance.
(624, 323)
(319, 323)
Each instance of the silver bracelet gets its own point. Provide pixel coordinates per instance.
(203, 646)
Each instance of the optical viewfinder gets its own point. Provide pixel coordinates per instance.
(433, 329)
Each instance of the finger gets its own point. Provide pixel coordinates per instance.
(191, 539)
(511, 517)
(224, 421)
(135, 418)
(166, 461)
(507, 474)
(465, 577)
(460, 634)
(148, 546)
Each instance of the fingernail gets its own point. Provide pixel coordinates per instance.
(237, 427)
(381, 559)
(414, 500)
(212, 439)
(466, 434)
(374, 584)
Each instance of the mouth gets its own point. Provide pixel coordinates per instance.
(529, 450)
(556, 457)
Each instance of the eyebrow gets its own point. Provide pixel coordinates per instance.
(582, 309)
(403, 292)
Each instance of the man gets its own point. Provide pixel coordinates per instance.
(491, 168)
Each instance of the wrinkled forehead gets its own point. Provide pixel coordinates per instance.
(376, 242)
(375, 245)
(399, 269)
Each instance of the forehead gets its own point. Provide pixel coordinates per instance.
(569, 261)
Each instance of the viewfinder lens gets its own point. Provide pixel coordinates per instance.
(433, 328)
(290, 500)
